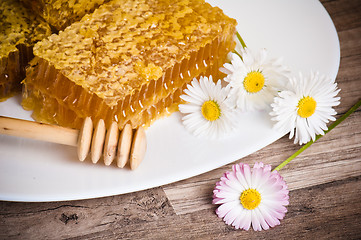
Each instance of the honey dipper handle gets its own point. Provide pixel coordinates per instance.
(38, 131)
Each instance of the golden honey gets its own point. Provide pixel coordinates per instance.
(127, 62)
(19, 31)
(62, 13)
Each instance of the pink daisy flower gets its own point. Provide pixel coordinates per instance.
(251, 196)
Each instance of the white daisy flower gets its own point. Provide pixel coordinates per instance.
(208, 111)
(306, 107)
(254, 197)
(254, 79)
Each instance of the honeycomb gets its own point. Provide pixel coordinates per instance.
(127, 62)
(19, 30)
(62, 13)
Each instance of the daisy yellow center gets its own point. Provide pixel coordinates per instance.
(306, 107)
(253, 82)
(250, 199)
(211, 110)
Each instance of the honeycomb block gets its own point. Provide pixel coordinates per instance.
(127, 62)
(19, 31)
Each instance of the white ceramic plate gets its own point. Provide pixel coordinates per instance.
(301, 31)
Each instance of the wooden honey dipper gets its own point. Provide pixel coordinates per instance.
(112, 143)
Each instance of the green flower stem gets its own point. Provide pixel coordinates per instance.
(241, 40)
(242, 43)
(333, 125)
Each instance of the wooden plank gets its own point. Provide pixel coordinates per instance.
(323, 212)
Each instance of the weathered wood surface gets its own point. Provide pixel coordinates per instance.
(325, 183)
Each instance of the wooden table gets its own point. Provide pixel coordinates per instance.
(325, 183)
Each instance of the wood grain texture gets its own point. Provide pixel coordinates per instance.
(325, 183)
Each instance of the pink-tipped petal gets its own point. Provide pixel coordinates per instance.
(262, 220)
(256, 225)
(247, 221)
